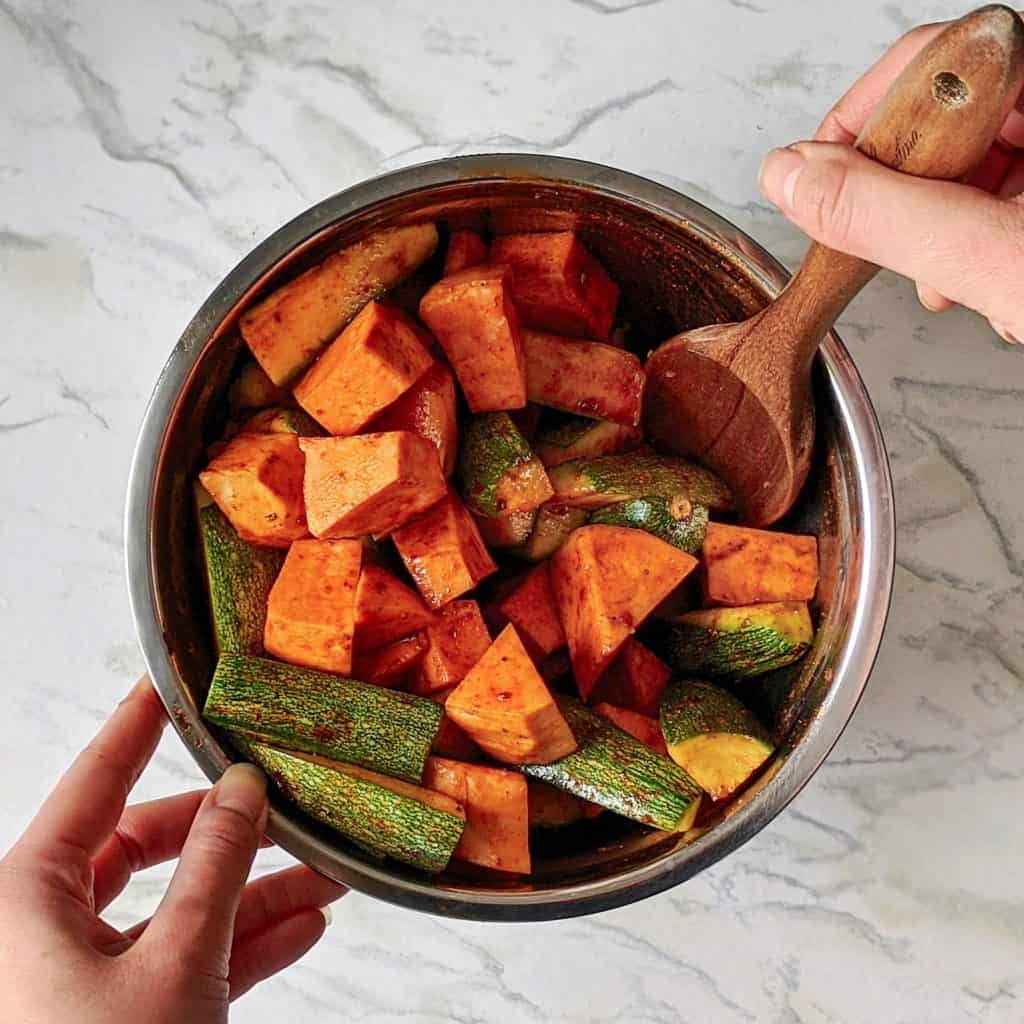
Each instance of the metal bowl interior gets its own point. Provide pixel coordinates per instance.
(679, 266)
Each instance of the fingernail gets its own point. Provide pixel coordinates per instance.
(778, 176)
(243, 789)
(328, 916)
(1005, 333)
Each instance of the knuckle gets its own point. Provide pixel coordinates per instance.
(825, 196)
(227, 833)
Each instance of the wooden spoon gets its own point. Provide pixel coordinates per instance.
(738, 396)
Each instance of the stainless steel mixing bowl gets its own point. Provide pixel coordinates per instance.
(679, 265)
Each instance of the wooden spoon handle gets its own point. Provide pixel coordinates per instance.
(937, 120)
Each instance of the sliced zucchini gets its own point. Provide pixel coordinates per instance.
(500, 474)
(739, 642)
(239, 577)
(389, 818)
(508, 531)
(674, 520)
(612, 769)
(577, 437)
(282, 421)
(593, 483)
(551, 528)
(323, 714)
(711, 734)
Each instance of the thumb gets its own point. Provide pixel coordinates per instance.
(196, 917)
(964, 243)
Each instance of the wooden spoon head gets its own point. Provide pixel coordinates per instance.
(707, 399)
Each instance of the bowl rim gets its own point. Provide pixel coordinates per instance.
(870, 607)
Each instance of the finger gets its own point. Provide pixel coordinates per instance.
(283, 894)
(197, 913)
(932, 300)
(845, 120)
(82, 811)
(265, 953)
(964, 243)
(147, 834)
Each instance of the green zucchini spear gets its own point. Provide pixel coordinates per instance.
(714, 736)
(323, 714)
(739, 642)
(593, 483)
(674, 520)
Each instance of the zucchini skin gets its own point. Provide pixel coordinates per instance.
(612, 769)
(693, 707)
(551, 528)
(493, 457)
(659, 517)
(239, 577)
(377, 819)
(738, 642)
(607, 479)
(324, 714)
(579, 438)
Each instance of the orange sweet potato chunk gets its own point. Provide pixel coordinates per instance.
(311, 607)
(465, 249)
(531, 608)
(389, 666)
(368, 484)
(747, 566)
(635, 680)
(641, 727)
(386, 609)
(505, 706)
(457, 639)
(256, 481)
(443, 551)
(587, 378)
(497, 833)
(377, 358)
(557, 284)
(288, 328)
(429, 409)
(472, 316)
(450, 740)
(606, 581)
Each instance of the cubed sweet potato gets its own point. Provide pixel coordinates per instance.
(587, 378)
(557, 283)
(457, 639)
(429, 409)
(443, 551)
(368, 484)
(450, 740)
(374, 360)
(641, 727)
(311, 607)
(635, 680)
(288, 328)
(465, 249)
(389, 665)
(256, 481)
(472, 316)
(386, 609)
(746, 566)
(531, 608)
(606, 581)
(497, 833)
(504, 706)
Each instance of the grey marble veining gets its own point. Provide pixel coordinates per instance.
(144, 147)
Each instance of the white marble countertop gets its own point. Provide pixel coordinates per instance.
(145, 147)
